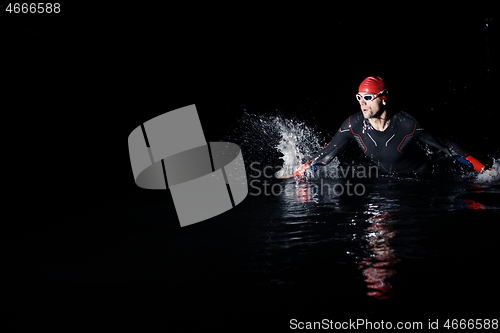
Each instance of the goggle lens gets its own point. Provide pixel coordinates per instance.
(367, 98)
(370, 97)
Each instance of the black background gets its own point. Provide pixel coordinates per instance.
(77, 83)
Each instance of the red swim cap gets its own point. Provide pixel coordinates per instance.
(373, 85)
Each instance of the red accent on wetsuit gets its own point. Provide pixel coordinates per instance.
(359, 136)
(478, 166)
(407, 135)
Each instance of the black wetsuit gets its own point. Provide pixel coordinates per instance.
(393, 150)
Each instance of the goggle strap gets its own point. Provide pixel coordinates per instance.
(383, 92)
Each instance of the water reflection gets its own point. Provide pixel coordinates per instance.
(323, 191)
(379, 262)
(353, 247)
(322, 219)
(376, 258)
(306, 192)
(467, 202)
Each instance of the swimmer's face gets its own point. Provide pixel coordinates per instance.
(371, 108)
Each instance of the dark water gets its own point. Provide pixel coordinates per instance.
(84, 245)
(407, 249)
(380, 248)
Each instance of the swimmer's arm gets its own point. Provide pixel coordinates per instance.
(328, 153)
(451, 148)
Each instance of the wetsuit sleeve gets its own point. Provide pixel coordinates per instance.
(326, 155)
(335, 147)
(450, 148)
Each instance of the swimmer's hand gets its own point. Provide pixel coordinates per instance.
(300, 172)
(277, 175)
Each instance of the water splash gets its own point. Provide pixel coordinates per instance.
(297, 143)
(277, 140)
(490, 175)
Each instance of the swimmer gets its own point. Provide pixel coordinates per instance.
(388, 140)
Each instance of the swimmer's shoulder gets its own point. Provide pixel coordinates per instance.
(353, 120)
(403, 118)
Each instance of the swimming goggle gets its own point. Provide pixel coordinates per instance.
(370, 97)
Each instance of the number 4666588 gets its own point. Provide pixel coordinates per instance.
(33, 8)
